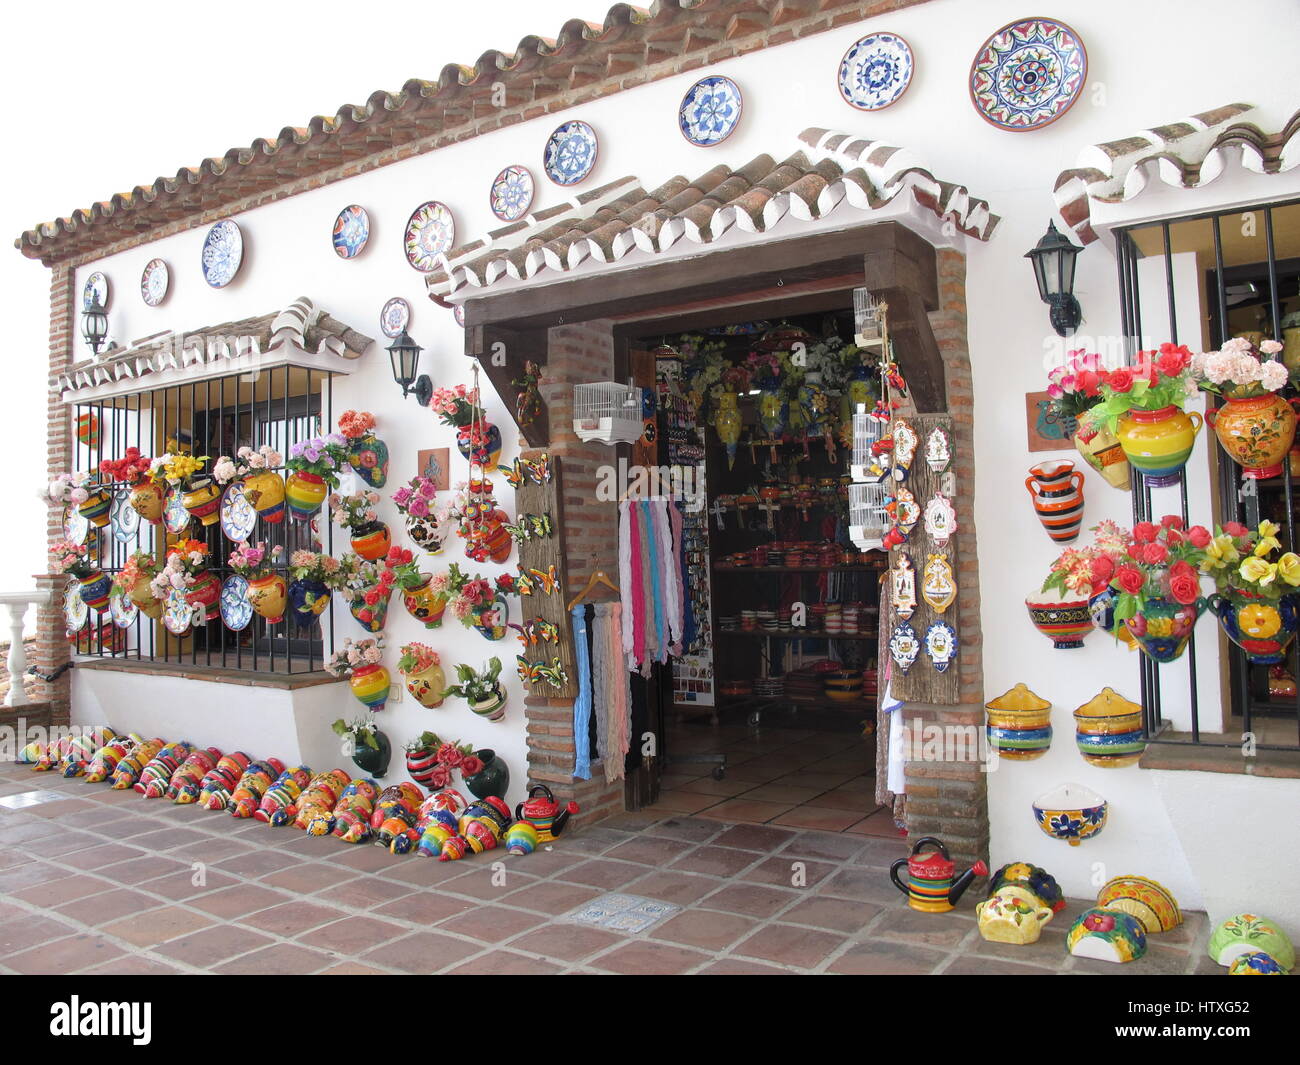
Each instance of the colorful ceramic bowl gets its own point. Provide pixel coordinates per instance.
(1071, 813)
(1147, 900)
(1256, 964)
(1032, 879)
(1248, 933)
(1107, 935)
(1020, 744)
(1063, 621)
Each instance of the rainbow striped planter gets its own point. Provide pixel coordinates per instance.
(1159, 442)
(95, 589)
(371, 685)
(96, 508)
(373, 541)
(304, 493)
(203, 501)
(1063, 621)
(1020, 744)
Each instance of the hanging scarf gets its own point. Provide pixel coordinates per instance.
(582, 705)
(625, 580)
(657, 590)
(619, 706)
(602, 665)
(638, 575)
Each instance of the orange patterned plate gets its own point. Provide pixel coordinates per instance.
(1147, 900)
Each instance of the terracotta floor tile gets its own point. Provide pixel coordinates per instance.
(740, 967)
(304, 878)
(66, 955)
(755, 838)
(352, 935)
(782, 793)
(667, 886)
(291, 918)
(165, 839)
(683, 802)
(976, 966)
(715, 861)
(212, 946)
(925, 929)
(133, 965)
(553, 897)
(788, 872)
(107, 906)
(364, 893)
(646, 850)
(568, 942)
(157, 926)
(423, 907)
(866, 884)
(235, 902)
(257, 863)
(823, 846)
(603, 874)
(107, 854)
(352, 968)
(59, 845)
(181, 887)
(837, 915)
(367, 858)
(146, 867)
(744, 810)
(750, 900)
(887, 958)
(687, 829)
(705, 930)
(728, 785)
(70, 888)
(423, 952)
(788, 944)
(506, 963)
(818, 818)
(491, 924)
(18, 934)
(647, 957)
(279, 959)
(30, 874)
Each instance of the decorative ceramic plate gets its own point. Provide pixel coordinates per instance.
(395, 317)
(1028, 74)
(938, 585)
(76, 527)
(95, 290)
(941, 645)
(904, 646)
(124, 518)
(512, 193)
(430, 232)
(223, 253)
(876, 71)
(940, 519)
(238, 518)
(710, 111)
(178, 614)
(236, 608)
(123, 610)
(938, 449)
(459, 314)
(351, 231)
(175, 517)
(155, 279)
(570, 153)
(905, 444)
(75, 611)
(903, 583)
(907, 511)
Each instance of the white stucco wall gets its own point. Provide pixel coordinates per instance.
(1149, 64)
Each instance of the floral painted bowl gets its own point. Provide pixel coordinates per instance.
(1032, 879)
(1248, 933)
(1255, 964)
(1147, 900)
(1071, 812)
(1107, 935)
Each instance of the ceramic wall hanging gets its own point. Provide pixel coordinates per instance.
(938, 585)
(1071, 812)
(903, 587)
(710, 111)
(351, 231)
(236, 607)
(1248, 933)
(238, 517)
(1063, 621)
(933, 885)
(178, 614)
(94, 589)
(1056, 489)
(95, 290)
(1158, 443)
(1019, 724)
(876, 71)
(1029, 880)
(940, 519)
(76, 526)
(1256, 963)
(155, 280)
(938, 449)
(1262, 629)
(1012, 918)
(430, 233)
(124, 518)
(941, 645)
(1107, 935)
(223, 253)
(122, 610)
(1257, 433)
(75, 611)
(570, 153)
(395, 317)
(1150, 902)
(905, 444)
(906, 511)
(512, 193)
(904, 646)
(1109, 731)
(268, 595)
(1028, 74)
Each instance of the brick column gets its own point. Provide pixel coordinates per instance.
(949, 799)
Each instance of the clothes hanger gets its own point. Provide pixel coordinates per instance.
(597, 577)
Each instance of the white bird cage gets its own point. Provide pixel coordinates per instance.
(607, 411)
(867, 430)
(868, 319)
(868, 519)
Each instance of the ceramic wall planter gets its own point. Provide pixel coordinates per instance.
(95, 590)
(932, 883)
(268, 595)
(1256, 433)
(427, 686)
(304, 493)
(521, 838)
(424, 604)
(1031, 880)
(1263, 628)
(203, 500)
(727, 421)
(1056, 489)
(1063, 621)
(1102, 608)
(1164, 627)
(1159, 442)
(1248, 933)
(425, 533)
(142, 596)
(308, 599)
(489, 620)
(205, 595)
(1107, 935)
(1109, 731)
(1019, 724)
(371, 760)
(1150, 902)
(492, 779)
(147, 499)
(368, 456)
(493, 707)
(372, 541)
(377, 614)
(371, 685)
(97, 508)
(1071, 813)
(1101, 449)
(487, 454)
(265, 491)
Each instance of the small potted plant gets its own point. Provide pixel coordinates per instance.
(424, 594)
(1257, 599)
(311, 577)
(477, 604)
(200, 493)
(365, 744)
(267, 589)
(186, 571)
(362, 662)
(427, 521)
(368, 587)
(1073, 390)
(422, 668)
(81, 490)
(134, 469)
(256, 472)
(367, 454)
(482, 690)
(1159, 585)
(74, 560)
(358, 514)
(477, 439)
(134, 579)
(1086, 572)
(1255, 425)
(433, 763)
(314, 466)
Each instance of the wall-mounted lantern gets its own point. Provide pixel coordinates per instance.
(94, 325)
(405, 354)
(1053, 258)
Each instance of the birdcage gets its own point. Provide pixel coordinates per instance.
(868, 519)
(607, 411)
(867, 431)
(868, 319)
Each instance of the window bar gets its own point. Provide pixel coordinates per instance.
(217, 542)
(315, 625)
(147, 539)
(327, 387)
(194, 450)
(290, 532)
(105, 542)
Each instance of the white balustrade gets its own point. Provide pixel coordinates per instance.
(18, 604)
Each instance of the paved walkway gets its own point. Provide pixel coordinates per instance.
(101, 881)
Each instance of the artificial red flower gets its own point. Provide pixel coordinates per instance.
(1170, 363)
(471, 766)
(1154, 554)
(1235, 528)
(439, 777)
(1144, 532)
(1120, 380)
(1185, 588)
(1086, 381)
(1172, 521)
(1103, 569)
(365, 616)
(1130, 579)
(1199, 536)
(371, 597)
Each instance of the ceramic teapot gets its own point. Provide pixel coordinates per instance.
(544, 813)
(931, 885)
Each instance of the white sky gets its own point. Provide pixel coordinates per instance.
(102, 98)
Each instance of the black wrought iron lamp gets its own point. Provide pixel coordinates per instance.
(94, 324)
(1053, 258)
(405, 354)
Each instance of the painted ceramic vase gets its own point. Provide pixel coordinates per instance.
(205, 594)
(1102, 451)
(1256, 433)
(317, 801)
(521, 838)
(1159, 442)
(142, 596)
(933, 885)
(420, 765)
(1150, 902)
(147, 499)
(157, 774)
(304, 493)
(1071, 813)
(371, 685)
(494, 538)
(773, 412)
(106, 759)
(1256, 964)
(492, 779)
(257, 778)
(308, 599)
(727, 421)
(1248, 933)
(1034, 881)
(131, 765)
(97, 507)
(1107, 935)
(371, 616)
(1263, 628)
(485, 455)
(95, 590)
(433, 839)
(203, 500)
(1012, 918)
(268, 595)
(425, 533)
(493, 707)
(424, 604)
(489, 619)
(1164, 627)
(427, 685)
(368, 456)
(1056, 489)
(1063, 621)
(395, 798)
(265, 491)
(217, 784)
(372, 541)
(1019, 724)
(371, 760)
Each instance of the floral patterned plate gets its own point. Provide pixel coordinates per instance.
(75, 611)
(76, 527)
(351, 231)
(96, 290)
(710, 111)
(570, 153)
(236, 607)
(175, 517)
(1028, 74)
(876, 71)
(223, 253)
(123, 610)
(155, 279)
(904, 646)
(124, 518)
(178, 613)
(430, 232)
(395, 316)
(512, 193)
(238, 518)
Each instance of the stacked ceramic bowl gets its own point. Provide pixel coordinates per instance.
(769, 687)
(1020, 724)
(1150, 902)
(843, 686)
(1109, 731)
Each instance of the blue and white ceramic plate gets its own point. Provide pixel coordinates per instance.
(941, 645)
(178, 613)
(238, 518)
(122, 609)
(430, 232)
(223, 253)
(570, 153)
(155, 279)
(95, 290)
(1028, 74)
(175, 517)
(351, 231)
(395, 317)
(512, 193)
(75, 611)
(710, 111)
(76, 527)
(124, 519)
(236, 609)
(876, 71)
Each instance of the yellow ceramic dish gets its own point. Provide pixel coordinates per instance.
(1147, 900)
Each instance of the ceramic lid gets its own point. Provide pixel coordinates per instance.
(1108, 703)
(1019, 698)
